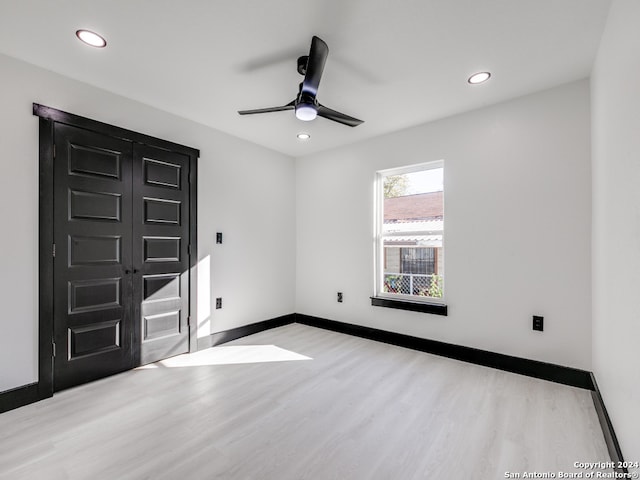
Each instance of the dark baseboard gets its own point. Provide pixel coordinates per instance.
(532, 368)
(239, 332)
(19, 397)
(607, 428)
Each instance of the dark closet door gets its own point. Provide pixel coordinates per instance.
(92, 264)
(161, 252)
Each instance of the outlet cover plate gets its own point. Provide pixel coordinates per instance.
(538, 323)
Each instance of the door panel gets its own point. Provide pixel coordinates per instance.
(94, 205)
(160, 252)
(95, 250)
(161, 249)
(92, 235)
(165, 212)
(93, 295)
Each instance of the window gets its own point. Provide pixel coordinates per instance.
(409, 234)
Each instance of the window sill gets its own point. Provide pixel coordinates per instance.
(434, 308)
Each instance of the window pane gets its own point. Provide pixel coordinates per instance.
(412, 231)
(420, 260)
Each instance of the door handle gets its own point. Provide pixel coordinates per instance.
(127, 271)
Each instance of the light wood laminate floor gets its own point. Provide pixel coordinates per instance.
(298, 402)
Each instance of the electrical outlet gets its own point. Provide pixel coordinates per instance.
(339, 297)
(538, 323)
(218, 303)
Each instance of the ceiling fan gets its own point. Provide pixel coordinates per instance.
(306, 104)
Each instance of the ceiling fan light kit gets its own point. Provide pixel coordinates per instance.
(306, 112)
(306, 104)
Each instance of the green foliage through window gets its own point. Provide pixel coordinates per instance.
(395, 186)
(435, 289)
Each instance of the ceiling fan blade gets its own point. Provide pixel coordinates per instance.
(315, 65)
(269, 60)
(338, 117)
(288, 106)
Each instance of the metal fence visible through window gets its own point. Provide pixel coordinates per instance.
(413, 284)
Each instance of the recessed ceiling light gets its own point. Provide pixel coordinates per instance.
(479, 77)
(91, 38)
(303, 136)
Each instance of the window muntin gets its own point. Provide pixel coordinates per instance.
(410, 233)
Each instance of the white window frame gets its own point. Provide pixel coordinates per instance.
(379, 236)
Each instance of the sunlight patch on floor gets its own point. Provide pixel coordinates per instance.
(229, 355)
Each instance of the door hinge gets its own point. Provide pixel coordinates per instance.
(54, 150)
(53, 344)
(189, 249)
(54, 250)
(188, 321)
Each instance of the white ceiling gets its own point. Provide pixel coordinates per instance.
(394, 64)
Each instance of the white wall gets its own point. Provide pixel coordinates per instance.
(616, 222)
(244, 191)
(517, 234)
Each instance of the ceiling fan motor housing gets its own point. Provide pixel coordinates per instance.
(302, 64)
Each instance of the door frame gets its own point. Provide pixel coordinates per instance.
(48, 117)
